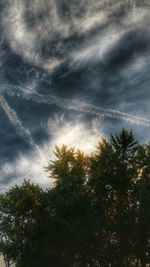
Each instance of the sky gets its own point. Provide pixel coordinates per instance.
(71, 72)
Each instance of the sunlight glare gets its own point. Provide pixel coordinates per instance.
(77, 136)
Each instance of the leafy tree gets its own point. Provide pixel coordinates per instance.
(142, 196)
(20, 211)
(96, 215)
(112, 181)
(71, 202)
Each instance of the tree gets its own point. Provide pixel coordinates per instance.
(112, 182)
(124, 142)
(96, 214)
(71, 202)
(20, 211)
(142, 196)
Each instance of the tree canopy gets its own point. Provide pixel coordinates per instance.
(97, 214)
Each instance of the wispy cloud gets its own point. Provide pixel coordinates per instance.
(77, 105)
(82, 57)
(16, 122)
(31, 165)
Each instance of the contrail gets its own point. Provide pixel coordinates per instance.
(16, 122)
(75, 105)
(21, 130)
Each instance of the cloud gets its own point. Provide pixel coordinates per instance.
(26, 166)
(31, 165)
(23, 40)
(78, 136)
(16, 122)
(77, 105)
(34, 28)
(97, 48)
(86, 59)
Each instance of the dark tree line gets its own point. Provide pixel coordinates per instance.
(96, 214)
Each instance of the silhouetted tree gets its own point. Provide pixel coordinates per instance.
(112, 180)
(20, 211)
(97, 213)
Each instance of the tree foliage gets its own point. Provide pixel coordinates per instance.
(96, 214)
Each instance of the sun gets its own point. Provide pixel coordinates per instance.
(77, 136)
